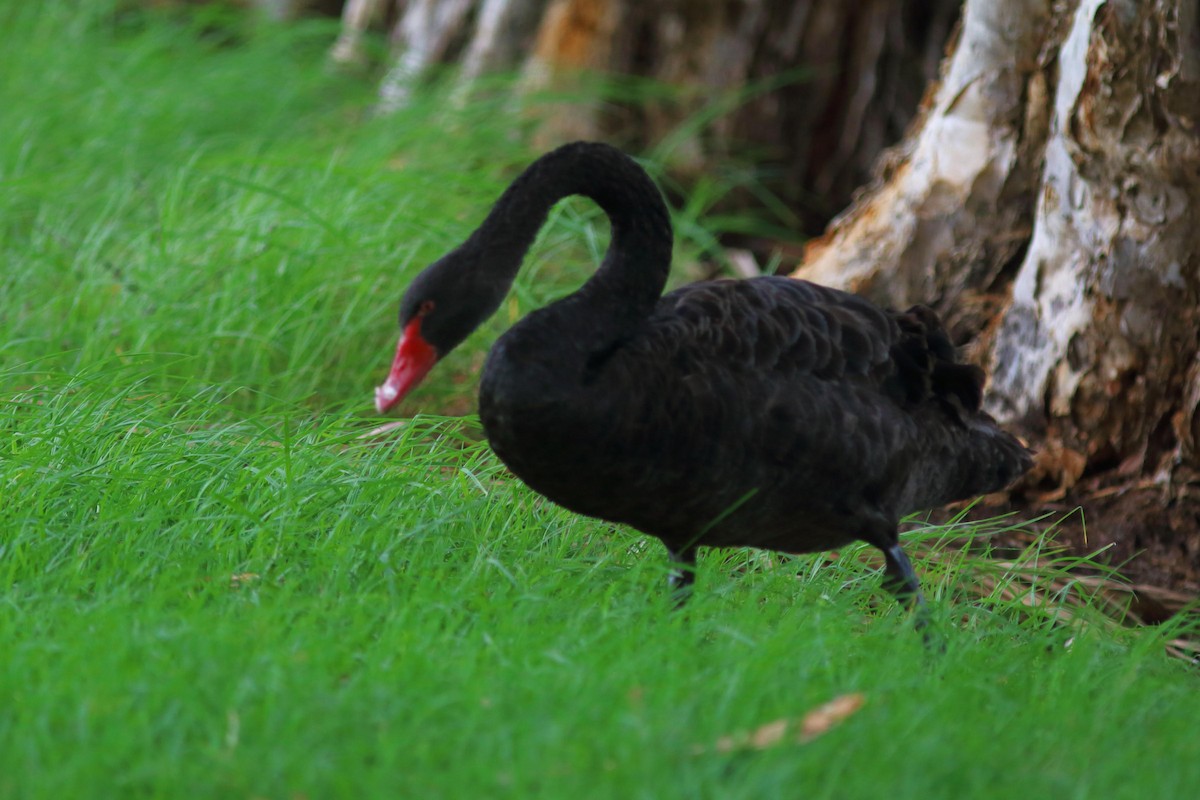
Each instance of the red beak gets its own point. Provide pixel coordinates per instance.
(414, 358)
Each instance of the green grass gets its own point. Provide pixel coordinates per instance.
(216, 582)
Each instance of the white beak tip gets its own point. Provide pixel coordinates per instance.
(385, 395)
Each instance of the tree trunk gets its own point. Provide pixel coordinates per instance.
(814, 88)
(427, 32)
(357, 16)
(1087, 115)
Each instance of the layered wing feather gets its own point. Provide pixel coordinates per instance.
(783, 328)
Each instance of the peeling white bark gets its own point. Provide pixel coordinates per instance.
(1100, 340)
(426, 31)
(902, 242)
(1049, 305)
(503, 32)
(497, 35)
(356, 17)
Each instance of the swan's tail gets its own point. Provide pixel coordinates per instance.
(995, 458)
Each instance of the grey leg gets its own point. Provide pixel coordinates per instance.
(683, 574)
(900, 579)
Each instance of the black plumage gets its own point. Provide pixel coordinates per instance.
(768, 412)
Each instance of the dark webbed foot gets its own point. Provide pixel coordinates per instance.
(683, 574)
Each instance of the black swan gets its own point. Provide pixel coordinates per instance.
(768, 412)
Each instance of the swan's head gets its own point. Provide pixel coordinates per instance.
(447, 301)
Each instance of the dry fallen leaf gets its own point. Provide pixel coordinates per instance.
(240, 579)
(769, 735)
(1056, 470)
(822, 718)
(815, 723)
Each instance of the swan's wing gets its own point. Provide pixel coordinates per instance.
(790, 329)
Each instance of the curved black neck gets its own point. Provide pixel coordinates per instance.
(635, 268)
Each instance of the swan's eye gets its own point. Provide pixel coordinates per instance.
(425, 308)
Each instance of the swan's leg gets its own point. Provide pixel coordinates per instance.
(683, 574)
(900, 579)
